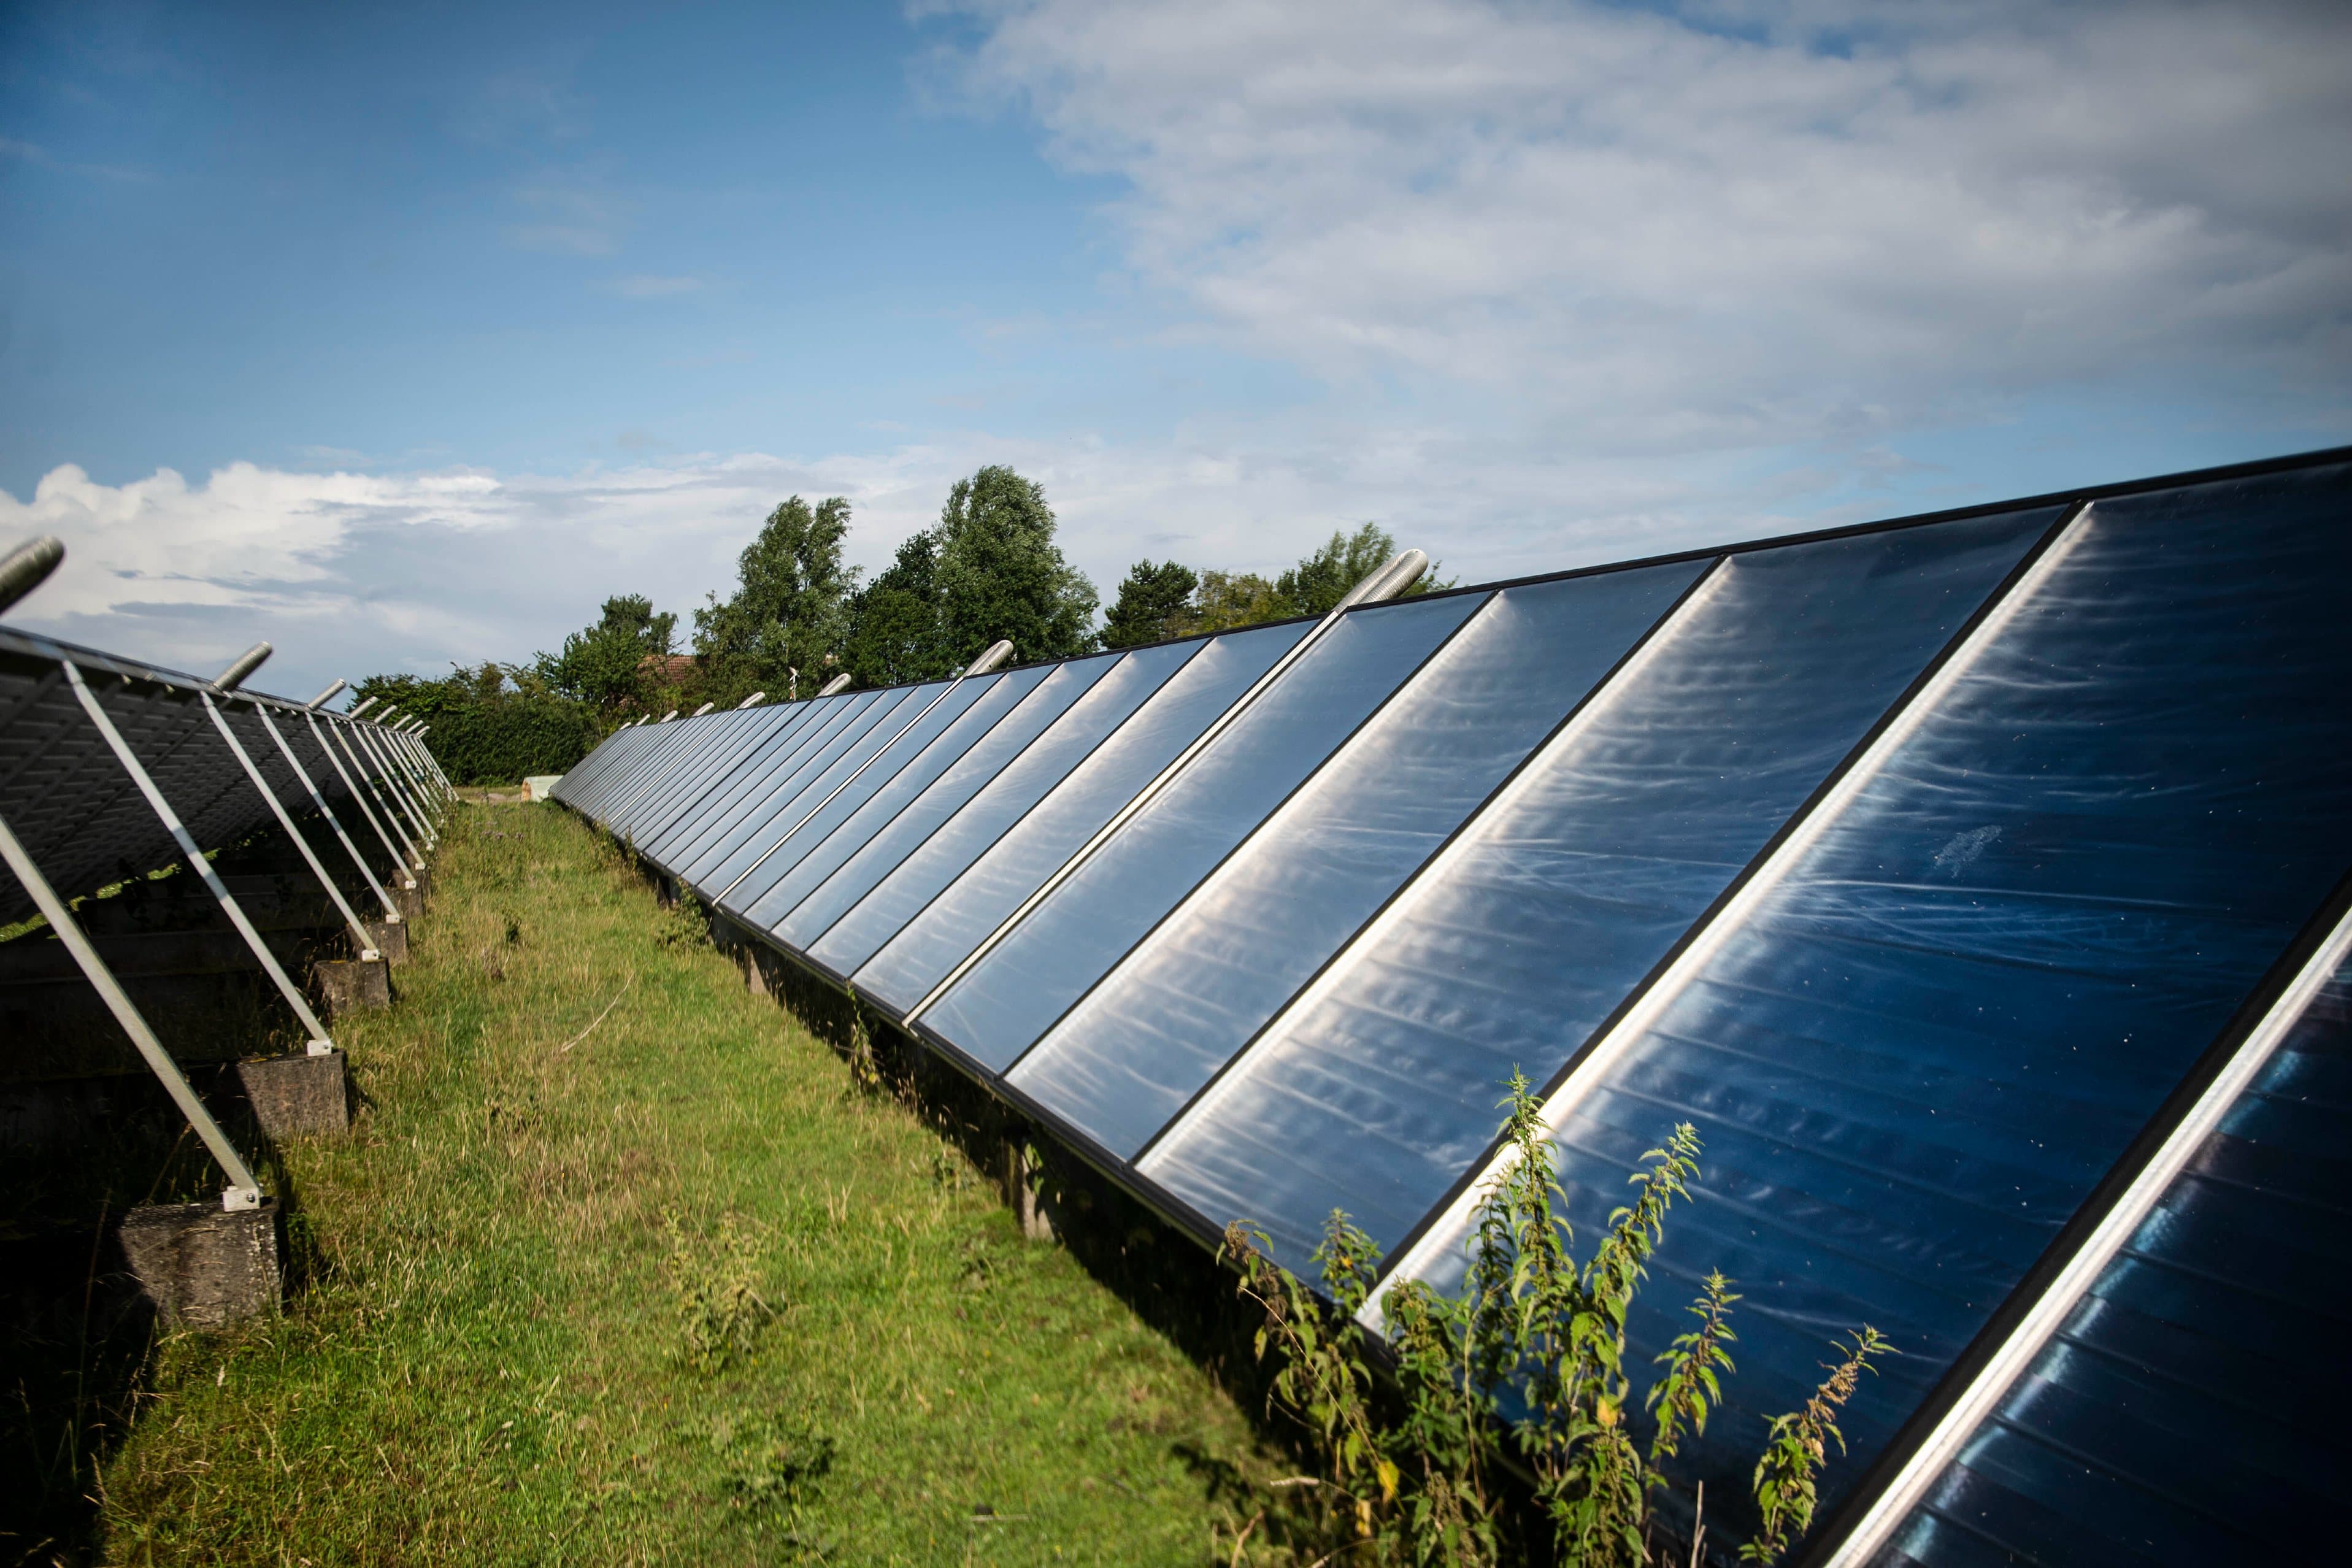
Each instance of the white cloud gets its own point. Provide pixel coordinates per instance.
(349, 573)
(1736, 226)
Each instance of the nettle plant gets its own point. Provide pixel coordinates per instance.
(1528, 1358)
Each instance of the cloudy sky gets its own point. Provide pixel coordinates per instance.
(404, 335)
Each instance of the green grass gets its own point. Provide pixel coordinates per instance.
(492, 1359)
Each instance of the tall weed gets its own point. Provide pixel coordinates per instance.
(1529, 1357)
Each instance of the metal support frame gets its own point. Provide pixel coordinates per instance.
(397, 809)
(428, 766)
(389, 771)
(413, 860)
(1447, 1227)
(996, 654)
(407, 872)
(242, 1190)
(2050, 1310)
(366, 945)
(448, 790)
(1391, 580)
(403, 740)
(321, 1043)
(391, 910)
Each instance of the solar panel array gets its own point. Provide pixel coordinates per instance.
(1931, 869)
(83, 818)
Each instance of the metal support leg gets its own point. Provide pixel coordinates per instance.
(389, 774)
(396, 777)
(391, 910)
(359, 931)
(365, 810)
(404, 754)
(242, 1191)
(411, 861)
(431, 764)
(320, 1045)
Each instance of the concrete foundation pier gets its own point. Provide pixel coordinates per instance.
(389, 938)
(352, 985)
(298, 1096)
(203, 1267)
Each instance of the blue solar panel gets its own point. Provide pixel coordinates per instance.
(2178, 1416)
(1010, 997)
(1129, 1056)
(1914, 1062)
(1381, 1093)
(954, 923)
(1118, 686)
(990, 749)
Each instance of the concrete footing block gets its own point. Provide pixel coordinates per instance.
(202, 1266)
(389, 938)
(298, 1096)
(352, 985)
(410, 901)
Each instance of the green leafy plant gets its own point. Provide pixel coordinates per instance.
(1798, 1446)
(1324, 1381)
(685, 923)
(771, 1469)
(1530, 1351)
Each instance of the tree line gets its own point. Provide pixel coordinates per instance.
(799, 617)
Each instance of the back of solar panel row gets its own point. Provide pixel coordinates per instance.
(1919, 867)
(83, 818)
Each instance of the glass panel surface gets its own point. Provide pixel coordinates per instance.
(810, 782)
(1124, 1060)
(736, 783)
(1923, 1050)
(666, 744)
(999, 740)
(959, 918)
(2176, 1417)
(627, 750)
(1073, 939)
(646, 793)
(718, 768)
(774, 789)
(1378, 1091)
(999, 696)
(889, 747)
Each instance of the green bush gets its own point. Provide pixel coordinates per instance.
(492, 725)
(1529, 1355)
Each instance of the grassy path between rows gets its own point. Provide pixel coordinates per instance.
(584, 1150)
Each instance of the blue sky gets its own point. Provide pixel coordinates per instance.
(402, 335)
